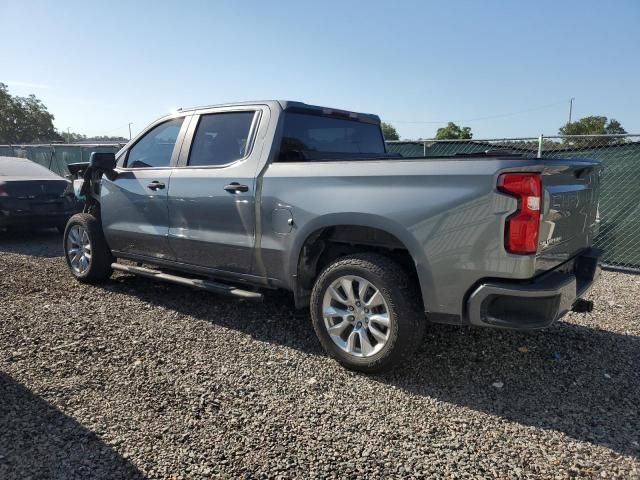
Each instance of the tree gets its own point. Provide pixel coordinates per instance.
(592, 125)
(454, 132)
(72, 137)
(389, 131)
(106, 138)
(6, 106)
(614, 128)
(24, 119)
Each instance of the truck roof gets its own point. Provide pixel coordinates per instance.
(301, 107)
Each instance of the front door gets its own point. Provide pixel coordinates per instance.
(134, 211)
(212, 196)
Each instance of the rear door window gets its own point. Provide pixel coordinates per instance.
(221, 139)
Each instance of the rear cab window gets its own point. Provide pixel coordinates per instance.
(309, 137)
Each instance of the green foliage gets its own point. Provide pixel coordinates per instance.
(6, 114)
(72, 137)
(454, 132)
(106, 138)
(592, 125)
(614, 128)
(389, 131)
(24, 119)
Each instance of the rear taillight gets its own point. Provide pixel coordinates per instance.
(521, 228)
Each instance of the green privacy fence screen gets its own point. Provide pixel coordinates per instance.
(619, 198)
(620, 190)
(56, 157)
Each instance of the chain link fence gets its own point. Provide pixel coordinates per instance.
(55, 156)
(620, 190)
(619, 154)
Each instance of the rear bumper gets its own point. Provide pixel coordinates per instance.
(536, 303)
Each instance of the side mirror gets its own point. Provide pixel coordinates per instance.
(105, 161)
(77, 169)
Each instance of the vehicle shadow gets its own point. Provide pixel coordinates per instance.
(580, 381)
(36, 243)
(39, 441)
(274, 320)
(577, 380)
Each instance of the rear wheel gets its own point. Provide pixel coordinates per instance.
(366, 313)
(86, 251)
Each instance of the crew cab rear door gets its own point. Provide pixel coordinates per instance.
(134, 211)
(212, 192)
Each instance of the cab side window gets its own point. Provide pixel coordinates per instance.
(154, 149)
(220, 139)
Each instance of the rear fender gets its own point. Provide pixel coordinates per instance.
(364, 220)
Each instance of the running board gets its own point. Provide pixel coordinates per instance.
(189, 282)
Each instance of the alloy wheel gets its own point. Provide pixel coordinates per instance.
(356, 316)
(79, 249)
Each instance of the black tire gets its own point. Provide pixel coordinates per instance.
(408, 322)
(99, 268)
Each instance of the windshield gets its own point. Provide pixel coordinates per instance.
(309, 137)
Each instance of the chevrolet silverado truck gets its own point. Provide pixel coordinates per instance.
(245, 197)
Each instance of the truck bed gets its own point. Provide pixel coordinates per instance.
(447, 211)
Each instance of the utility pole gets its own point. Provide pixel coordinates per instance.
(68, 134)
(570, 107)
(130, 123)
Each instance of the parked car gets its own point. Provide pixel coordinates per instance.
(31, 196)
(244, 197)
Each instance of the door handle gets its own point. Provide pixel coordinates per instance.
(235, 187)
(155, 185)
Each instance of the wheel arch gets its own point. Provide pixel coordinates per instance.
(346, 228)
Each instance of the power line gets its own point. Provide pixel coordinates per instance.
(437, 122)
(123, 127)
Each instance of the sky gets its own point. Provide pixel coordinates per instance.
(503, 68)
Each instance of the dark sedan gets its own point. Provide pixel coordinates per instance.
(32, 196)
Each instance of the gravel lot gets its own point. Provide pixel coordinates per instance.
(135, 379)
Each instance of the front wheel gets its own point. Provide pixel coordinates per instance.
(88, 256)
(366, 313)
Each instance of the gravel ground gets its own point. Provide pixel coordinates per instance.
(138, 379)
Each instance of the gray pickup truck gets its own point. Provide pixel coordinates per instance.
(245, 197)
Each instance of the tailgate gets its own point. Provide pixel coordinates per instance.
(570, 216)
